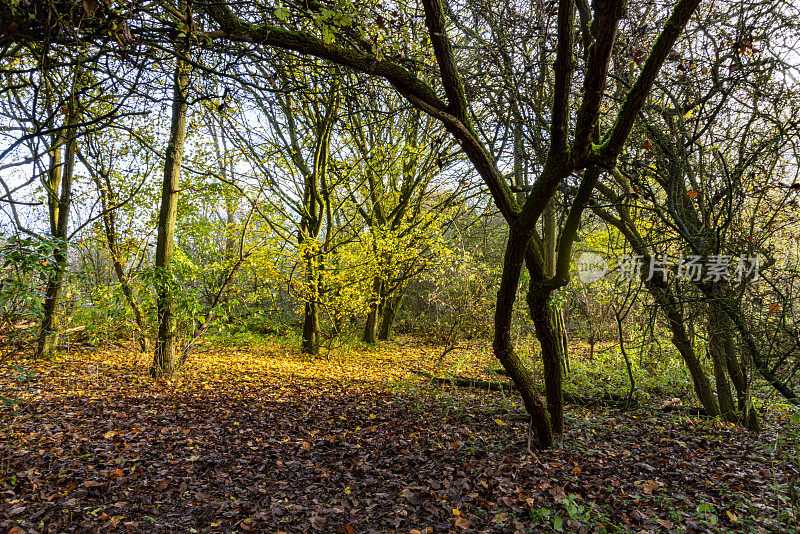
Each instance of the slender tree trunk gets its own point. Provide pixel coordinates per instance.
(682, 342)
(716, 349)
(741, 382)
(107, 200)
(504, 348)
(47, 344)
(668, 303)
(736, 371)
(59, 200)
(165, 357)
(138, 316)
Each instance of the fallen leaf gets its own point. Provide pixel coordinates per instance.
(463, 522)
(90, 6)
(664, 523)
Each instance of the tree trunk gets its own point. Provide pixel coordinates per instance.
(138, 316)
(165, 357)
(107, 200)
(59, 200)
(504, 348)
(549, 338)
(742, 384)
(371, 325)
(668, 304)
(681, 341)
(310, 344)
(736, 371)
(550, 246)
(391, 306)
(717, 351)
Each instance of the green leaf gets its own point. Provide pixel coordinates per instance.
(282, 14)
(558, 523)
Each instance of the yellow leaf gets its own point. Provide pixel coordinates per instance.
(732, 516)
(500, 422)
(372, 416)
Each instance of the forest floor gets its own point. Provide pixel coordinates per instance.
(260, 439)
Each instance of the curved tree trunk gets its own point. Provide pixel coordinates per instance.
(138, 316)
(735, 315)
(682, 342)
(669, 306)
(107, 203)
(741, 383)
(504, 348)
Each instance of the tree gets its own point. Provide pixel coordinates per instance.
(401, 153)
(58, 186)
(589, 151)
(121, 193)
(710, 142)
(165, 359)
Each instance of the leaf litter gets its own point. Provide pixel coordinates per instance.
(263, 440)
